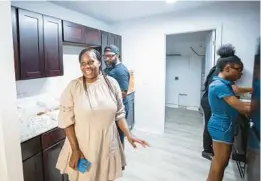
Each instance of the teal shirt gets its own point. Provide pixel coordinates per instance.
(121, 74)
(222, 113)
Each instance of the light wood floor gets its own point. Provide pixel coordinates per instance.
(173, 156)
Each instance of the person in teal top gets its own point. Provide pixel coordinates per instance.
(225, 108)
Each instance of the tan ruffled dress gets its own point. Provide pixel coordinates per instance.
(95, 129)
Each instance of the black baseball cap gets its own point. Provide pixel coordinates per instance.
(112, 48)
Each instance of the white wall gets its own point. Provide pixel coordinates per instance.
(184, 47)
(188, 70)
(144, 49)
(10, 150)
(54, 10)
(52, 85)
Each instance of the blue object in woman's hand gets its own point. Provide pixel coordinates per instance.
(83, 165)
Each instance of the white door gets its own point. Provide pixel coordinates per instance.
(210, 51)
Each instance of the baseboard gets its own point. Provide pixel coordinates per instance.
(185, 107)
(193, 108)
(172, 105)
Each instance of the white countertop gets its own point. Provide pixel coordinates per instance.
(37, 125)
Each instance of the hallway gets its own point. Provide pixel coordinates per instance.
(173, 156)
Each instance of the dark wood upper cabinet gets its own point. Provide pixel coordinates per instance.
(31, 44)
(38, 43)
(15, 42)
(79, 34)
(33, 168)
(53, 48)
(92, 36)
(117, 42)
(111, 39)
(73, 33)
(104, 40)
(104, 43)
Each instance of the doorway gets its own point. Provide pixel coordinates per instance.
(189, 57)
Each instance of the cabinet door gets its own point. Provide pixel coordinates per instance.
(92, 36)
(53, 48)
(117, 41)
(105, 40)
(15, 42)
(31, 44)
(33, 168)
(111, 39)
(50, 157)
(73, 33)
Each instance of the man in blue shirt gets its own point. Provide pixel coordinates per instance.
(118, 71)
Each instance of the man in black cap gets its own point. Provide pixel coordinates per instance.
(118, 71)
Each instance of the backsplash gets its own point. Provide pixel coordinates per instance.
(31, 91)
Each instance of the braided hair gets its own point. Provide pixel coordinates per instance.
(99, 58)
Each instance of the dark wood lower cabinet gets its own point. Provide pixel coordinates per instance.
(33, 168)
(49, 160)
(39, 158)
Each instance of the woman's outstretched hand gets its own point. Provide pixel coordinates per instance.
(133, 140)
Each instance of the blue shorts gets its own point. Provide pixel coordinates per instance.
(221, 130)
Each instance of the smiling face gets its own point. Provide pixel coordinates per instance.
(90, 66)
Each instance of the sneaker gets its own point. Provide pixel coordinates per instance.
(207, 155)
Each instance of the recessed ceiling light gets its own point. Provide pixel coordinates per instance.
(170, 1)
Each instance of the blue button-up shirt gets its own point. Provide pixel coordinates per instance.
(222, 113)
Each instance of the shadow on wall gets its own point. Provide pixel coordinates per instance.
(72, 50)
(52, 85)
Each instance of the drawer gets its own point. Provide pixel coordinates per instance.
(31, 147)
(52, 137)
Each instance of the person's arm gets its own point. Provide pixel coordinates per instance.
(66, 121)
(121, 121)
(242, 107)
(241, 90)
(223, 92)
(70, 134)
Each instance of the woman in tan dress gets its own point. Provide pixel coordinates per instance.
(90, 105)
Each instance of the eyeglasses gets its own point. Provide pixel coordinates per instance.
(237, 69)
(108, 56)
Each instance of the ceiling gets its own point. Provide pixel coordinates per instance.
(118, 11)
(181, 43)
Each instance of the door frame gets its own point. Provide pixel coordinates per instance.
(218, 42)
